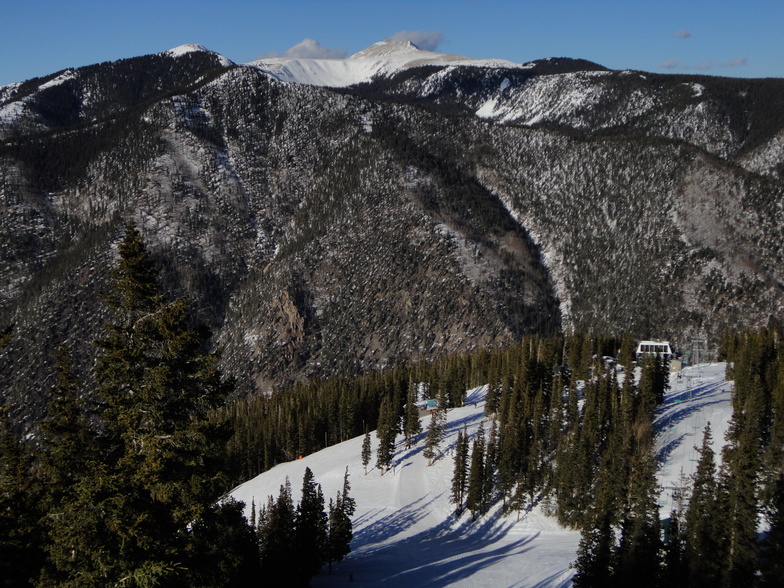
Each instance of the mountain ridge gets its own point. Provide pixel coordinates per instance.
(322, 231)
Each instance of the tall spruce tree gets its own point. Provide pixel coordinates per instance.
(386, 431)
(435, 431)
(340, 526)
(66, 448)
(411, 425)
(476, 498)
(21, 541)
(66, 439)
(637, 560)
(740, 471)
(310, 535)
(128, 517)
(366, 451)
(772, 551)
(594, 564)
(704, 550)
(460, 473)
(277, 539)
(674, 572)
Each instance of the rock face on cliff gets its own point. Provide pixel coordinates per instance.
(439, 206)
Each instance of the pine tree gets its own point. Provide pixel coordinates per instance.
(277, 540)
(508, 452)
(366, 451)
(566, 468)
(411, 427)
(460, 474)
(21, 541)
(310, 535)
(654, 382)
(222, 548)
(475, 496)
(674, 574)
(493, 396)
(158, 468)
(385, 432)
(491, 462)
(435, 431)
(67, 446)
(704, 550)
(594, 565)
(637, 559)
(772, 549)
(65, 434)
(340, 526)
(626, 354)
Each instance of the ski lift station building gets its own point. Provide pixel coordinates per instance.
(659, 349)
(654, 348)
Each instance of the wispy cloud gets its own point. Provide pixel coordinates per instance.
(308, 49)
(740, 61)
(428, 41)
(703, 65)
(682, 34)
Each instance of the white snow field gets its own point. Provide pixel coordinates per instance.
(405, 533)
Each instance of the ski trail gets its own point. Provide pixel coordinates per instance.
(411, 480)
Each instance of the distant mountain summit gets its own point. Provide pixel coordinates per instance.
(197, 48)
(388, 47)
(380, 60)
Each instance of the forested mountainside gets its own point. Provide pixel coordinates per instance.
(321, 231)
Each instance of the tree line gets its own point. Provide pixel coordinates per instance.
(308, 416)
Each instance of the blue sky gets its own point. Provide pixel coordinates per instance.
(720, 37)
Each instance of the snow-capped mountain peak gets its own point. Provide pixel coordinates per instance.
(196, 47)
(388, 47)
(384, 58)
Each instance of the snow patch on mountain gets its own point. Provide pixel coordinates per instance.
(12, 111)
(196, 47)
(68, 74)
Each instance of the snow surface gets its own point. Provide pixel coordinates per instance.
(405, 533)
(68, 74)
(380, 59)
(195, 47)
(699, 397)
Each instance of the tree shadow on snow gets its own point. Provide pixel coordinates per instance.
(396, 522)
(557, 580)
(439, 556)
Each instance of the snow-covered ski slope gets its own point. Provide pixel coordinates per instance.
(405, 533)
(700, 396)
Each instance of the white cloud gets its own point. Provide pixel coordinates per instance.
(424, 40)
(682, 34)
(308, 49)
(703, 65)
(740, 61)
